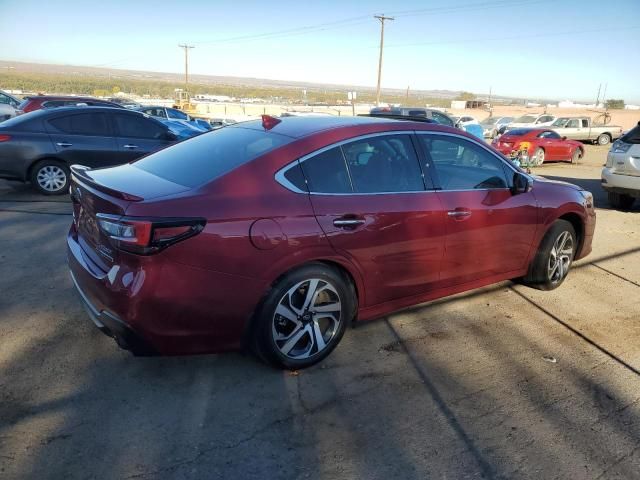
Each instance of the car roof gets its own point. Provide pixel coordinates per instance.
(298, 127)
(527, 131)
(65, 97)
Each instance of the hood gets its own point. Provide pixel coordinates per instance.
(539, 179)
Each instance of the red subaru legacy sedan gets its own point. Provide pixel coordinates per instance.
(276, 234)
(541, 145)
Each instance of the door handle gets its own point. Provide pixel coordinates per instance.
(64, 144)
(459, 214)
(348, 222)
(130, 147)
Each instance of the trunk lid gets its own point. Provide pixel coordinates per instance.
(109, 191)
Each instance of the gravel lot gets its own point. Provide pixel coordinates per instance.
(502, 382)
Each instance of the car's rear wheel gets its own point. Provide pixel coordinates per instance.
(303, 317)
(50, 177)
(553, 259)
(577, 155)
(620, 200)
(604, 139)
(538, 157)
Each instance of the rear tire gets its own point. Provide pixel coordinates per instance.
(620, 200)
(577, 155)
(538, 157)
(553, 259)
(604, 139)
(50, 177)
(303, 317)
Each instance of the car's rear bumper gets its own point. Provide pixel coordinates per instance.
(620, 183)
(153, 305)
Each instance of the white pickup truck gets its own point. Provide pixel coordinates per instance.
(582, 129)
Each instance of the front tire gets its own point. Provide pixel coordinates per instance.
(620, 200)
(50, 177)
(554, 257)
(303, 317)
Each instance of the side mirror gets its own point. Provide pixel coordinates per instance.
(564, 138)
(521, 183)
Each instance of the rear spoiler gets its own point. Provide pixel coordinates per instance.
(79, 174)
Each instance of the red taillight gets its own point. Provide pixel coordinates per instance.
(5, 138)
(145, 235)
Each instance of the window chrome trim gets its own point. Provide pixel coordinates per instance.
(282, 180)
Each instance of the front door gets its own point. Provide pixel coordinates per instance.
(370, 199)
(489, 230)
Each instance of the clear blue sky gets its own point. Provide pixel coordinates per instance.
(555, 49)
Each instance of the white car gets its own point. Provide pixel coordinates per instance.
(621, 174)
(531, 120)
(465, 120)
(8, 106)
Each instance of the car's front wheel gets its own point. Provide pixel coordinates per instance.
(50, 177)
(553, 260)
(577, 155)
(304, 317)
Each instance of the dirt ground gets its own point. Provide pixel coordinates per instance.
(502, 382)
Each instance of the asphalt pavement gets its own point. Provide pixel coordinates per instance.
(502, 382)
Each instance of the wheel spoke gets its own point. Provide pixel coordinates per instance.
(286, 313)
(329, 307)
(311, 291)
(294, 339)
(318, 336)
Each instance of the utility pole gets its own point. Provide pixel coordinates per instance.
(186, 64)
(382, 19)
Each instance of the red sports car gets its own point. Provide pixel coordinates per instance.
(277, 234)
(541, 144)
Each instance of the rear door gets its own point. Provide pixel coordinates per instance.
(370, 199)
(138, 135)
(83, 138)
(489, 230)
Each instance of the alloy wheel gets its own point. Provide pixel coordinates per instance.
(539, 157)
(306, 319)
(51, 178)
(560, 257)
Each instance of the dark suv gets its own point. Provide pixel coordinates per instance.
(40, 146)
(435, 115)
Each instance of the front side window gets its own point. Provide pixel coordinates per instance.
(137, 126)
(573, 123)
(91, 124)
(383, 164)
(155, 112)
(463, 165)
(549, 134)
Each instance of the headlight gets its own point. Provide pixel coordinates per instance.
(588, 198)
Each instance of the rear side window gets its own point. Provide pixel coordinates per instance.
(383, 164)
(210, 155)
(441, 119)
(92, 124)
(632, 136)
(327, 172)
(137, 126)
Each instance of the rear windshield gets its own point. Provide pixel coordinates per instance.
(489, 121)
(517, 132)
(210, 155)
(632, 136)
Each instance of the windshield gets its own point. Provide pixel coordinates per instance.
(525, 119)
